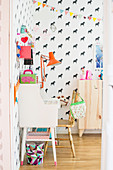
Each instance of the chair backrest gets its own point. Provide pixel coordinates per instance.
(32, 110)
(74, 99)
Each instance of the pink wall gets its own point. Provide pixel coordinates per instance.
(4, 86)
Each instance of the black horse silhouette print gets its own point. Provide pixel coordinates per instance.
(67, 113)
(46, 75)
(90, 31)
(82, 39)
(68, 53)
(46, 90)
(45, 46)
(97, 24)
(45, 31)
(38, 53)
(38, 23)
(38, 38)
(38, 68)
(90, 61)
(90, 46)
(60, 75)
(60, 31)
(82, 9)
(67, 9)
(44, 2)
(67, 24)
(75, 31)
(60, 91)
(53, 68)
(75, 75)
(75, 61)
(60, 46)
(61, 60)
(82, 24)
(68, 68)
(68, 83)
(75, 2)
(68, 38)
(53, 38)
(75, 46)
(60, 2)
(97, 9)
(75, 16)
(89, 2)
(54, 97)
(60, 16)
(83, 53)
(37, 9)
(76, 90)
(97, 39)
(53, 83)
(52, 23)
(68, 97)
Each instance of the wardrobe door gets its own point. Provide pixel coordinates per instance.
(91, 92)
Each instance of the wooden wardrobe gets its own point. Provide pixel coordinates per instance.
(91, 92)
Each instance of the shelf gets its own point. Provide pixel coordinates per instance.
(40, 136)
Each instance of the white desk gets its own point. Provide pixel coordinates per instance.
(34, 113)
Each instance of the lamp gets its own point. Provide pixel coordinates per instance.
(52, 61)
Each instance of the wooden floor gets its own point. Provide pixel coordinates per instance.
(88, 155)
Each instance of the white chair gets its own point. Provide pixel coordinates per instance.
(34, 113)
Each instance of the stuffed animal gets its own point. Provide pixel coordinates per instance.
(101, 75)
(63, 101)
(82, 75)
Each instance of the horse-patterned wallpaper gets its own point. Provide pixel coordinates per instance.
(72, 40)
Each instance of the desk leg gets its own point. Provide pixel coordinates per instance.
(23, 144)
(53, 143)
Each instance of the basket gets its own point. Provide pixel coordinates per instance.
(35, 153)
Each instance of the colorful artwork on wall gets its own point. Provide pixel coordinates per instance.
(98, 57)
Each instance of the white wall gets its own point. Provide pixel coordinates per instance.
(21, 11)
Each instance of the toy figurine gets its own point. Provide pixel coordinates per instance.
(82, 76)
(88, 75)
(23, 29)
(18, 51)
(101, 75)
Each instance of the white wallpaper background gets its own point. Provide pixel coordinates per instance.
(22, 15)
(73, 44)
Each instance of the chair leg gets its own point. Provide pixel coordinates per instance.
(71, 142)
(46, 146)
(46, 143)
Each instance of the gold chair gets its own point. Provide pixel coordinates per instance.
(67, 124)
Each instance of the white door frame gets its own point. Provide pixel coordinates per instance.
(107, 129)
